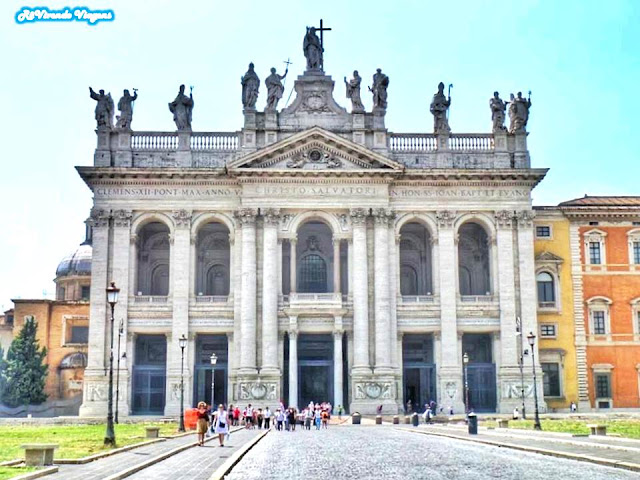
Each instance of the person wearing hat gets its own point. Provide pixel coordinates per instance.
(203, 422)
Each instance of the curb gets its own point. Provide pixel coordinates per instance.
(97, 456)
(163, 456)
(37, 473)
(635, 467)
(233, 460)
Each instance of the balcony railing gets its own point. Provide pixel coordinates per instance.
(156, 299)
(471, 141)
(417, 299)
(201, 141)
(218, 141)
(154, 141)
(212, 299)
(318, 298)
(428, 142)
(477, 298)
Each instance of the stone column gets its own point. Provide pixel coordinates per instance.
(293, 368)
(506, 290)
(120, 275)
(451, 359)
(270, 293)
(237, 296)
(381, 291)
(337, 368)
(293, 281)
(180, 267)
(95, 381)
(336, 265)
(247, 217)
(394, 262)
(232, 266)
(360, 292)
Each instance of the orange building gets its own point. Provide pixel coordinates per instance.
(605, 251)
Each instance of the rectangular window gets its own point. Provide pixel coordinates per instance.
(599, 324)
(637, 323)
(636, 253)
(543, 231)
(551, 379)
(594, 253)
(79, 334)
(85, 292)
(603, 385)
(547, 330)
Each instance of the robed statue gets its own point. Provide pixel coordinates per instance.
(182, 108)
(104, 108)
(519, 113)
(439, 106)
(312, 49)
(250, 85)
(125, 105)
(379, 89)
(498, 108)
(353, 92)
(275, 89)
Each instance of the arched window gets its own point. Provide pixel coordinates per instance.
(313, 274)
(546, 289)
(473, 260)
(153, 259)
(415, 260)
(213, 260)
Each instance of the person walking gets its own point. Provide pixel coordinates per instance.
(267, 418)
(221, 424)
(308, 417)
(203, 422)
(248, 417)
(325, 418)
(260, 418)
(292, 419)
(318, 418)
(279, 419)
(340, 412)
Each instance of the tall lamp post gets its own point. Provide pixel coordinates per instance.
(523, 352)
(120, 333)
(532, 340)
(110, 435)
(214, 360)
(183, 343)
(465, 361)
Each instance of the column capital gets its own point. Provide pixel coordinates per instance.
(358, 216)
(122, 218)
(504, 218)
(525, 218)
(271, 216)
(383, 216)
(445, 218)
(337, 334)
(246, 216)
(182, 218)
(99, 218)
(293, 334)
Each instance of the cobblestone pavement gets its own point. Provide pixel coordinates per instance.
(197, 463)
(371, 452)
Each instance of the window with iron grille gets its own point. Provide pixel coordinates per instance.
(594, 253)
(313, 274)
(551, 379)
(599, 323)
(603, 387)
(636, 253)
(547, 330)
(543, 231)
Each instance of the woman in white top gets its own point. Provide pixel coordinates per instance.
(221, 424)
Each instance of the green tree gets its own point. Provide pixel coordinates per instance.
(25, 371)
(3, 373)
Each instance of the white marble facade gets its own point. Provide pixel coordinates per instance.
(311, 163)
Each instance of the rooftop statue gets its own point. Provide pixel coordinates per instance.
(312, 49)
(275, 89)
(439, 107)
(379, 90)
(498, 108)
(104, 108)
(353, 92)
(182, 108)
(519, 113)
(250, 86)
(125, 105)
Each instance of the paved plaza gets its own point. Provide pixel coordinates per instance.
(369, 452)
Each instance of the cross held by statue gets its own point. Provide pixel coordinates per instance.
(322, 29)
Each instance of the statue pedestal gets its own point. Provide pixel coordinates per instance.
(183, 155)
(124, 157)
(102, 155)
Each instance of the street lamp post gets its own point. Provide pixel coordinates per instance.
(110, 435)
(183, 343)
(465, 361)
(214, 360)
(532, 340)
(120, 333)
(523, 352)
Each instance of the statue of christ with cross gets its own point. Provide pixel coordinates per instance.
(313, 47)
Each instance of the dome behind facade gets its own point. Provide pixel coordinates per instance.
(78, 263)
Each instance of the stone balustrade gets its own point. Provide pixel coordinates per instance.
(412, 142)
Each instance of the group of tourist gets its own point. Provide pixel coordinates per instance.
(283, 419)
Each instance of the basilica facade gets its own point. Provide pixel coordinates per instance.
(319, 255)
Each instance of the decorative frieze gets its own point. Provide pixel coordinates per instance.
(257, 391)
(374, 390)
(514, 389)
(445, 218)
(122, 218)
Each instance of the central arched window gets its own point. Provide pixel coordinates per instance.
(473, 260)
(153, 259)
(546, 289)
(415, 260)
(313, 274)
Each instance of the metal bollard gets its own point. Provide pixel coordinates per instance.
(355, 418)
(396, 420)
(473, 423)
(378, 419)
(415, 420)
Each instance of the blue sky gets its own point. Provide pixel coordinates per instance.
(580, 59)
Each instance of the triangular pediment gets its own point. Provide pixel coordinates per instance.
(313, 150)
(548, 257)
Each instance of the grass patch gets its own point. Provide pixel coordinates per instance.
(10, 472)
(75, 440)
(625, 428)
